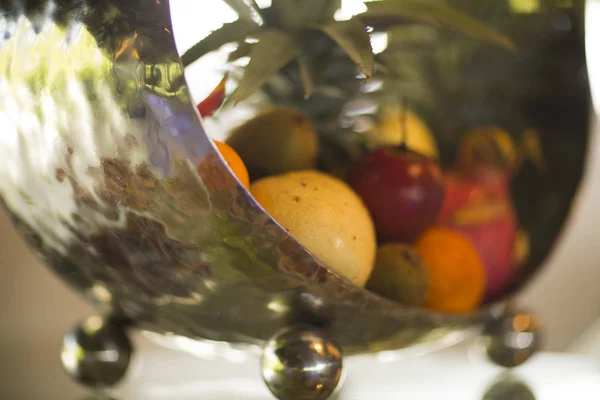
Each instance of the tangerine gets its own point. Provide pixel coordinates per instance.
(456, 272)
(235, 163)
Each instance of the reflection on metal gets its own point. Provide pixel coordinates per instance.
(592, 15)
(525, 6)
(302, 364)
(97, 352)
(512, 339)
(508, 387)
(110, 176)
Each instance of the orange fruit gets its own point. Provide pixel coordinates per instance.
(456, 272)
(235, 163)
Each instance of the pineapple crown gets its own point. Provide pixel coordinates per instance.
(273, 37)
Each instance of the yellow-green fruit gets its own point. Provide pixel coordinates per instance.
(418, 135)
(399, 274)
(490, 145)
(326, 216)
(276, 141)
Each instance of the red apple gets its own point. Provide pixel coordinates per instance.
(403, 191)
(478, 203)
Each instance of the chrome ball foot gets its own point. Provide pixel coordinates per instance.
(302, 363)
(508, 387)
(513, 338)
(97, 352)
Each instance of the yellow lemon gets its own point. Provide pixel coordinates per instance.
(418, 135)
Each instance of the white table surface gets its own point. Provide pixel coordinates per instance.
(456, 373)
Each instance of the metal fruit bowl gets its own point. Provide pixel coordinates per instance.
(101, 144)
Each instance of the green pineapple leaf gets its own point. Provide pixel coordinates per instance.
(296, 14)
(235, 31)
(274, 50)
(379, 12)
(329, 9)
(306, 74)
(290, 13)
(413, 35)
(243, 50)
(245, 9)
(316, 11)
(353, 38)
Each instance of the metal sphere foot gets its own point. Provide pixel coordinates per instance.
(97, 352)
(302, 363)
(508, 387)
(511, 339)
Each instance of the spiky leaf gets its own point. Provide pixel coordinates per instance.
(243, 50)
(413, 35)
(235, 31)
(329, 9)
(353, 38)
(289, 12)
(298, 13)
(306, 74)
(245, 9)
(274, 50)
(314, 11)
(433, 13)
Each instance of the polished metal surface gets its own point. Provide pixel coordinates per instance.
(513, 338)
(111, 177)
(302, 363)
(97, 352)
(508, 387)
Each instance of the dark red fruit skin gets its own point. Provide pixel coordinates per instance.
(403, 190)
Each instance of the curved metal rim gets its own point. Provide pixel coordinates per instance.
(592, 53)
(592, 34)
